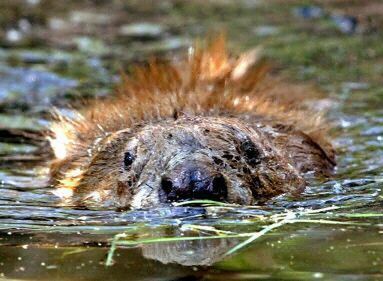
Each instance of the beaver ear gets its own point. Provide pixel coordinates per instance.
(304, 152)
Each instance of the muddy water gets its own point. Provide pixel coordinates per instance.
(52, 56)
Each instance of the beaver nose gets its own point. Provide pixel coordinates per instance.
(194, 183)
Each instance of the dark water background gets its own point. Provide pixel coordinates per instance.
(52, 52)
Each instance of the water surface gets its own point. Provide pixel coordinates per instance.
(65, 54)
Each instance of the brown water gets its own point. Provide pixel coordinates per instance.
(41, 239)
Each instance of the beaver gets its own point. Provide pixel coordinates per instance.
(212, 126)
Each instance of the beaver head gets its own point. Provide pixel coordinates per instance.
(242, 136)
(217, 158)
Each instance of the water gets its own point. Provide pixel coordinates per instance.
(41, 238)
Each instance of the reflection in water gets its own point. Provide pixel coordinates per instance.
(189, 253)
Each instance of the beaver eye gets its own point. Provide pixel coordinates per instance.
(128, 160)
(250, 152)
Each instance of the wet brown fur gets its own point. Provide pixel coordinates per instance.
(208, 84)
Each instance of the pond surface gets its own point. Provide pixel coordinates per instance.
(51, 54)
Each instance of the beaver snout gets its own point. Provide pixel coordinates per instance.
(193, 181)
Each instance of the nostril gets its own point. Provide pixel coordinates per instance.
(219, 183)
(167, 185)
